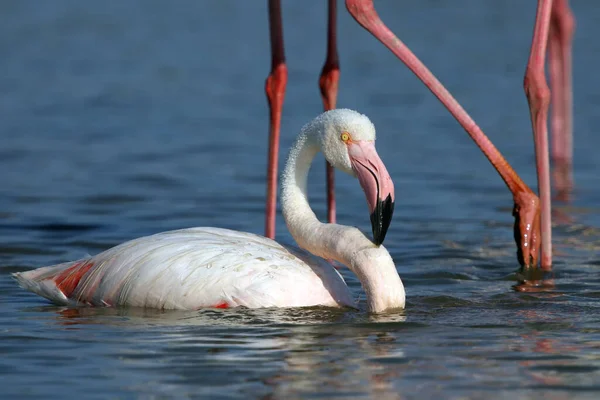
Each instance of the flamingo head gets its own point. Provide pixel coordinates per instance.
(347, 139)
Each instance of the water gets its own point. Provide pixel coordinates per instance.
(122, 119)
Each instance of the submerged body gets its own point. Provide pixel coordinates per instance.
(211, 267)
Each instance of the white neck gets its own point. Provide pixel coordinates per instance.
(372, 265)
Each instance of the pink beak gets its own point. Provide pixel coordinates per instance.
(376, 183)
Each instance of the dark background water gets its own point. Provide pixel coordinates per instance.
(122, 119)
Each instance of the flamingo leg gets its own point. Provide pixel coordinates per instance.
(526, 203)
(538, 97)
(328, 83)
(275, 89)
(562, 28)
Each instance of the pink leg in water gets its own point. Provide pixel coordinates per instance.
(538, 96)
(328, 82)
(275, 89)
(526, 203)
(562, 28)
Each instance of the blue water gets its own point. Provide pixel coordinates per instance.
(122, 119)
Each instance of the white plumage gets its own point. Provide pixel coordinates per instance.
(212, 267)
(197, 268)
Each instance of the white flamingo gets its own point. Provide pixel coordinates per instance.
(211, 267)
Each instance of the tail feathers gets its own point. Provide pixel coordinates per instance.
(42, 281)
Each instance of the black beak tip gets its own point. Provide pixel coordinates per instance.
(381, 219)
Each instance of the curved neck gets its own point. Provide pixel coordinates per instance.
(372, 264)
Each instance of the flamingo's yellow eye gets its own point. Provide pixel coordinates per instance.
(345, 136)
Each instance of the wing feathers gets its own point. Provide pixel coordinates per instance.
(191, 269)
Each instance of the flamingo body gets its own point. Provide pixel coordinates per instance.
(192, 269)
(211, 267)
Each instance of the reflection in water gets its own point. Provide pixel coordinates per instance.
(235, 317)
(307, 350)
(343, 352)
(310, 356)
(560, 356)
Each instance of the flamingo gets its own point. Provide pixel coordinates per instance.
(554, 23)
(220, 268)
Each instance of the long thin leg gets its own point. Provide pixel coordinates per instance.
(275, 89)
(526, 210)
(557, 120)
(538, 96)
(562, 28)
(328, 82)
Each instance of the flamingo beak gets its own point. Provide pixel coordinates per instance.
(376, 183)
